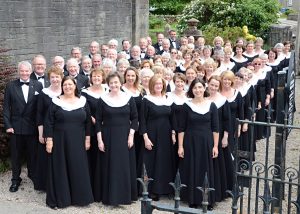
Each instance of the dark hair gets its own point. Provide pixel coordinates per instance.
(76, 92)
(273, 50)
(113, 75)
(137, 76)
(190, 91)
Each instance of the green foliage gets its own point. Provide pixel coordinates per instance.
(227, 33)
(170, 7)
(289, 11)
(258, 15)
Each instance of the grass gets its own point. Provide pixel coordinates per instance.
(157, 24)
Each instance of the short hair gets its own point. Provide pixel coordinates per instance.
(97, 71)
(229, 75)
(145, 71)
(137, 79)
(38, 56)
(273, 50)
(59, 57)
(167, 55)
(158, 69)
(218, 38)
(113, 75)
(279, 45)
(145, 61)
(95, 42)
(180, 76)
(171, 62)
(125, 40)
(152, 82)
(86, 58)
(190, 93)
(215, 77)
(26, 64)
(76, 92)
(228, 50)
(210, 62)
(123, 61)
(72, 61)
(263, 56)
(113, 42)
(259, 39)
(55, 70)
(75, 48)
(108, 62)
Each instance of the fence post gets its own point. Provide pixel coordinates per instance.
(279, 141)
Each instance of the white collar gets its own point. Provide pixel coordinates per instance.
(50, 93)
(250, 55)
(262, 75)
(244, 90)
(113, 103)
(239, 60)
(267, 68)
(127, 91)
(93, 94)
(275, 63)
(176, 99)
(67, 106)
(160, 101)
(199, 109)
(231, 99)
(220, 101)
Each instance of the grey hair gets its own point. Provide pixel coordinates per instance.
(26, 64)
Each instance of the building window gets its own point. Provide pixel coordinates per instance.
(290, 2)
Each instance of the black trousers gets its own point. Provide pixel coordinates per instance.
(21, 145)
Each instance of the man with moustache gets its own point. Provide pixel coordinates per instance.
(39, 68)
(19, 115)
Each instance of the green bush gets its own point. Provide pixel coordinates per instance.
(170, 7)
(227, 33)
(258, 15)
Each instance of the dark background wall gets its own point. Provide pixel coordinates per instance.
(53, 27)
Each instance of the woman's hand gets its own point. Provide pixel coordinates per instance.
(174, 137)
(87, 143)
(148, 144)
(42, 140)
(130, 140)
(215, 152)
(267, 102)
(101, 146)
(224, 141)
(259, 105)
(49, 146)
(181, 152)
(93, 120)
(245, 127)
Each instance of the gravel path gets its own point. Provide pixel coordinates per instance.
(27, 200)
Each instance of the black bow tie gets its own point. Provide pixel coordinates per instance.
(42, 77)
(143, 51)
(24, 83)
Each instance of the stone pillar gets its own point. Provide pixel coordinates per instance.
(140, 19)
(280, 33)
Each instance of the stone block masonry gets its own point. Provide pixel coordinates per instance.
(53, 27)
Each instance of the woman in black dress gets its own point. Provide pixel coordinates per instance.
(92, 95)
(223, 164)
(179, 97)
(55, 76)
(155, 125)
(239, 60)
(116, 123)
(198, 140)
(132, 87)
(235, 101)
(67, 129)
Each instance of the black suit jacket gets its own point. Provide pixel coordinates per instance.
(157, 49)
(177, 44)
(82, 81)
(18, 114)
(46, 80)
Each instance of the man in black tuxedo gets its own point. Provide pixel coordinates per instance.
(158, 46)
(19, 113)
(173, 39)
(166, 46)
(59, 62)
(86, 66)
(82, 81)
(150, 52)
(39, 68)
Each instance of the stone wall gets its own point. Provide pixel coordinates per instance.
(53, 27)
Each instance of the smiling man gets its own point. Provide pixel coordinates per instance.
(19, 113)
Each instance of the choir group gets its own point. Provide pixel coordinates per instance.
(90, 125)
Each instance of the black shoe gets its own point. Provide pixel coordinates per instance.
(154, 197)
(14, 187)
(210, 207)
(192, 206)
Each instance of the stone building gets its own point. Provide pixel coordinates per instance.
(291, 4)
(53, 27)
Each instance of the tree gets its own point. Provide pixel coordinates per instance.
(168, 7)
(258, 15)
